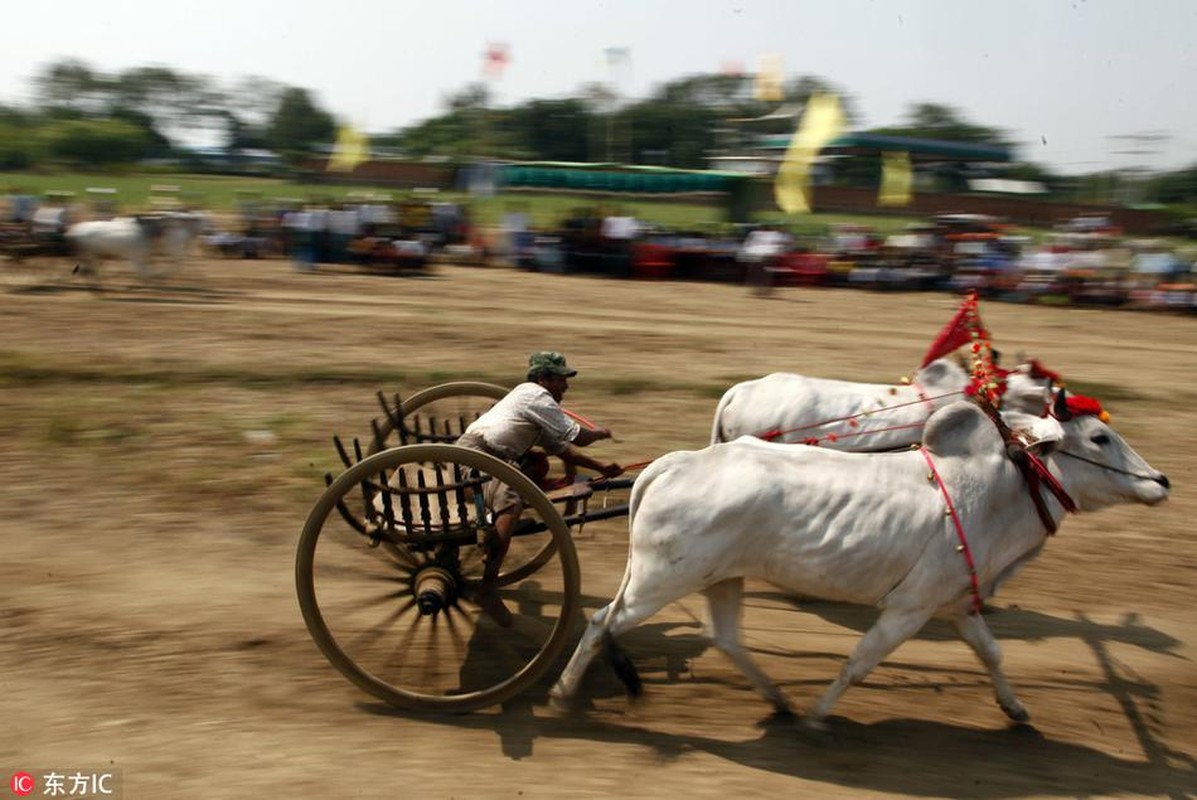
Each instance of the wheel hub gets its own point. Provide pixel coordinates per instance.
(435, 588)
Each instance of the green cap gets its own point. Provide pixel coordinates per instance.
(548, 362)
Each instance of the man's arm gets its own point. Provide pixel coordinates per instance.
(591, 435)
(571, 455)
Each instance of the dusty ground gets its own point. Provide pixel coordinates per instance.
(161, 449)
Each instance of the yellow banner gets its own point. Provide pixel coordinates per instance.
(821, 122)
(351, 149)
(896, 178)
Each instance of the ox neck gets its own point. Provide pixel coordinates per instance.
(1039, 477)
(1035, 473)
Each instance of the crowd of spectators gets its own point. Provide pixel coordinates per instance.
(1082, 261)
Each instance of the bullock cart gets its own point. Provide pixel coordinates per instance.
(391, 556)
(29, 257)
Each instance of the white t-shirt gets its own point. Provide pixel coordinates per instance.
(764, 244)
(527, 417)
(620, 227)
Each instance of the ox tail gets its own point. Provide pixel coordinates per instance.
(621, 663)
(717, 435)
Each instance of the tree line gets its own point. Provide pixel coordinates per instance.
(82, 117)
(86, 118)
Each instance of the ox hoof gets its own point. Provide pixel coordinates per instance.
(1016, 712)
(817, 733)
(562, 703)
(815, 724)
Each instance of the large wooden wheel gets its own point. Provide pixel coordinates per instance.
(387, 574)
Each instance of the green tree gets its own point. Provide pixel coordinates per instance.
(467, 128)
(157, 98)
(17, 146)
(676, 135)
(1179, 187)
(240, 134)
(94, 142)
(171, 99)
(298, 124)
(553, 130)
(248, 107)
(157, 144)
(72, 85)
(937, 121)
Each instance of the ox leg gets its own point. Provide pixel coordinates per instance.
(629, 611)
(972, 629)
(725, 602)
(563, 691)
(894, 626)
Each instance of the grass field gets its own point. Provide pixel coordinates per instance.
(135, 191)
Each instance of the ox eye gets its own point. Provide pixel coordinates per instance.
(1101, 438)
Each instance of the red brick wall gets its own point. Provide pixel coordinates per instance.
(1023, 211)
(399, 174)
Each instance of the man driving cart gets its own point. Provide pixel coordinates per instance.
(529, 416)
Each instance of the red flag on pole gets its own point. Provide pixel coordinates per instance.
(495, 59)
(958, 332)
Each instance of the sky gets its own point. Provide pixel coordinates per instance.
(1079, 85)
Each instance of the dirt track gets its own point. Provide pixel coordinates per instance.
(161, 449)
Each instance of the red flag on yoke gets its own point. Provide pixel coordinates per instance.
(958, 331)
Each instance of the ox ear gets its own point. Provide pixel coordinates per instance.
(960, 429)
(1024, 393)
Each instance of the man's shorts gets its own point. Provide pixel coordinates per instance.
(497, 495)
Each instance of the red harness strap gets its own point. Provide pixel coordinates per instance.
(963, 547)
(1035, 472)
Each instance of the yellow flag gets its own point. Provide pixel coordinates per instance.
(895, 179)
(351, 149)
(821, 122)
(769, 77)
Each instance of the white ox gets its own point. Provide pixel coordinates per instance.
(861, 417)
(134, 239)
(866, 528)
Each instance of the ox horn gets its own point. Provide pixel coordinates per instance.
(1060, 410)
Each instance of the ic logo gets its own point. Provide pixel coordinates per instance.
(22, 784)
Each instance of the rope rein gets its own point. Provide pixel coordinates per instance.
(777, 433)
(1120, 471)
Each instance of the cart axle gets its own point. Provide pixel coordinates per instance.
(435, 589)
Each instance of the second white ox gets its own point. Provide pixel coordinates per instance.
(861, 417)
(134, 239)
(855, 527)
